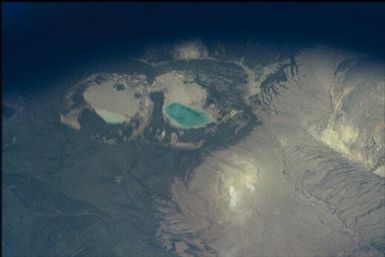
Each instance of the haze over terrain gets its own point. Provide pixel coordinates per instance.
(188, 137)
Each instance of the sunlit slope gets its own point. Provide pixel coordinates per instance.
(336, 97)
(307, 182)
(356, 126)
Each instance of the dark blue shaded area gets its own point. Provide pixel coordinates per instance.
(39, 37)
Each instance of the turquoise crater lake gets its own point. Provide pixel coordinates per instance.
(186, 117)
